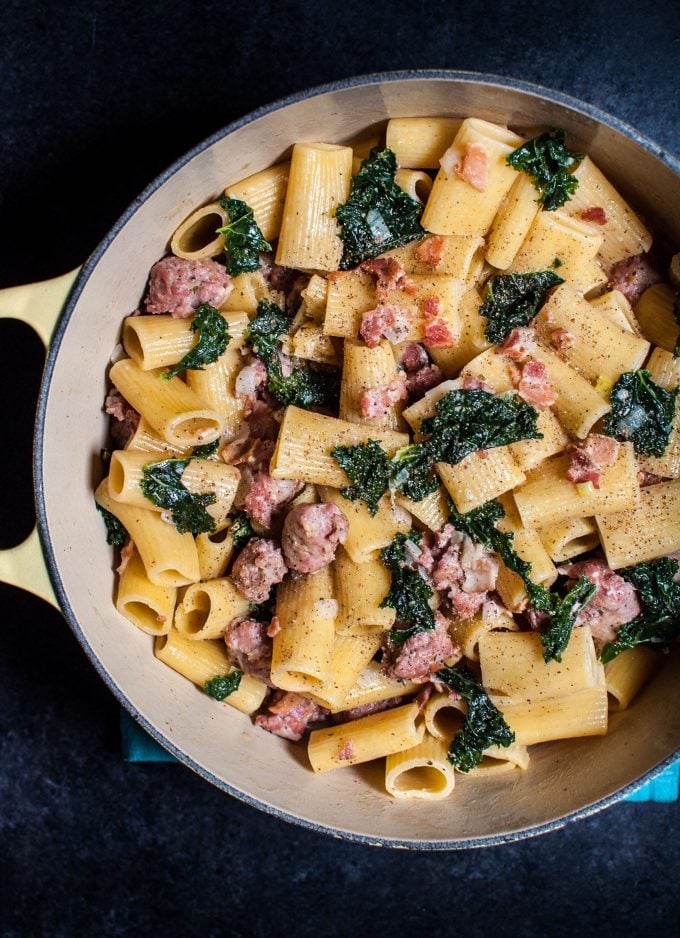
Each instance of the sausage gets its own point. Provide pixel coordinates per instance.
(632, 276)
(375, 403)
(257, 568)
(178, 286)
(420, 655)
(613, 604)
(311, 534)
(389, 275)
(250, 647)
(268, 496)
(125, 418)
(289, 715)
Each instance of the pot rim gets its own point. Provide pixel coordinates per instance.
(373, 78)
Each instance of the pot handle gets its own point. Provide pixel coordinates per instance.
(39, 305)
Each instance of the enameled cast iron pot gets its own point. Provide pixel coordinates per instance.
(565, 780)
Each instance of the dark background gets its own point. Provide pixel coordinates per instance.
(95, 100)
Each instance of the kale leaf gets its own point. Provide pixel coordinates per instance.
(241, 530)
(213, 339)
(513, 300)
(242, 238)
(409, 594)
(642, 412)
(302, 388)
(659, 621)
(676, 315)
(202, 452)
(548, 161)
(162, 484)
(564, 614)
(412, 472)
(466, 421)
(368, 468)
(378, 215)
(116, 535)
(221, 686)
(484, 724)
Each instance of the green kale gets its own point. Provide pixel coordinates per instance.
(202, 452)
(564, 614)
(242, 238)
(220, 687)
(513, 300)
(659, 621)
(467, 421)
(642, 412)
(116, 535)
(162, 484)
(548, 161)
(484, 725)
(412, 472)
(368, 468)
(409, 594)
(213, 339)
(378, 215)
(302, 388)
(676, 315)
(241, 530)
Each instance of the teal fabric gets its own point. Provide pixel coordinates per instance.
(138, 746)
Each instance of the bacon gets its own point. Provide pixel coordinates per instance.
(470, 383)
(389, 275)
(595, 214)
(422, 654)
(250, 648)
(289, 715)
(519, 344)
(632, 276)
(560, 338)
(474, 167)
(437, 333)
(375, 402)
(257, 568)
(588, 460)
(614, 603)
(267, 497)
(534, 386)
(311, 534)
(386, 321)
(431, 250)
(649, 478)
(178, 286)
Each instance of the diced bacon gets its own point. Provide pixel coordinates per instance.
(534, 386)
(561, 339)
(346, 751)
(389, 275)
(520, 344)
(470, 383)
(126, 418)
(595, 214)
(386, 321)
(250, 648)
(436, 332)
(125, 556)
(475, 165)
(649, 478)
(311, 534)
(414, 357)
(267, 497)
(257, 568)
(588, 460)
(614, 603)
(632, 276)
(422, 654)
(431, 250)
(375, 403)
(289, 715)
(419, 382)
(178, 286)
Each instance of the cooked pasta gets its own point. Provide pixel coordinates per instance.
(408, 487)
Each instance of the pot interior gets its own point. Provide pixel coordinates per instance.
(563, 778)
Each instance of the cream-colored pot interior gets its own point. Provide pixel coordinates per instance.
(217, 741)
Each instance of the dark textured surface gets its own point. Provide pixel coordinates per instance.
(96, 98)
